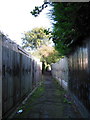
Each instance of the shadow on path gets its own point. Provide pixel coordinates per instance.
(48, 102)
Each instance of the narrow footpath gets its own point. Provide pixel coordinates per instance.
(48, 101)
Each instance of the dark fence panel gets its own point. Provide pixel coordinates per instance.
(19, 78)
(79, 73)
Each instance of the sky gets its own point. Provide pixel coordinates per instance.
(15, 18)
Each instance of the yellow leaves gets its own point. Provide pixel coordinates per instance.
(45, 50)
(38, 42)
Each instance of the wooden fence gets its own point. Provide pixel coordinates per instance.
(21, 73)
(75, 70)
(60, 72)
(79, 75)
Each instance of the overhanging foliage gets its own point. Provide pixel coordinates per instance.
(71, 21)
(70, 26)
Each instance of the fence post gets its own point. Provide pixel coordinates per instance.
(0, 75)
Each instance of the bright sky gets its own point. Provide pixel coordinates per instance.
(15, 17)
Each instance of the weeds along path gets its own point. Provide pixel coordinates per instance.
(48, 101)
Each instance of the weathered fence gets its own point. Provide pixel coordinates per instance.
(79, 76)
(60, 72)
(21, 73)
(75, 70)
(0, 77)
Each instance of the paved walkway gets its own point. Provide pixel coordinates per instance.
(49, 103)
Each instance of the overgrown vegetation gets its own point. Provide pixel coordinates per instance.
(70, 26)
(71, 23)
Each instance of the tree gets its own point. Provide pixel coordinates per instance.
(35, 38)
(53, 57)
(71, 25)
(48, 56)
(38, 9)
(43, 52)
(71, 22)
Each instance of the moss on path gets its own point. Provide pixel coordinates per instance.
(49, 101)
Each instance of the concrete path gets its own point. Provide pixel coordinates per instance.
(49, 103)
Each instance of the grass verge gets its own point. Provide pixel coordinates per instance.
(27, 106)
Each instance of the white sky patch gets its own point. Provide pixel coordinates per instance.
(15, 17)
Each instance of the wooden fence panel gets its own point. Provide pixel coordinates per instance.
(18, 79)
(79, 74)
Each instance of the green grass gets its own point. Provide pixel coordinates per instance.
(28, 104)
(60, 91)
(37, 93)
